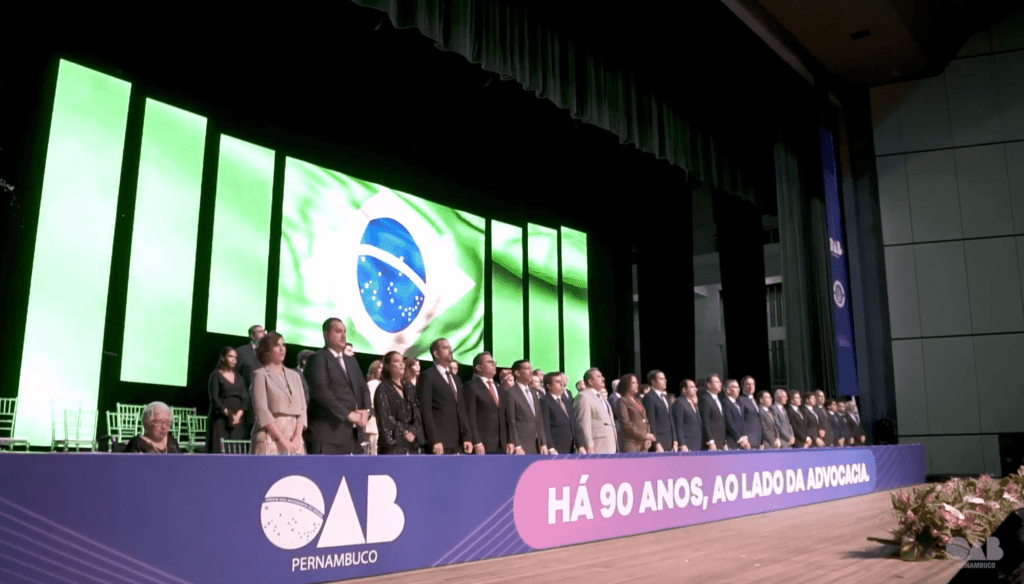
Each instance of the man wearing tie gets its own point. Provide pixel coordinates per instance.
(735, 431)
(563, 428)
(525, 417)
(769, 431)
(247, 361)
(751, 415)
(712, 416)
(485, 407)
(786, 437)
(658, 414)
(445, 421)
(594, 414)
(814, 425)
(824, 421)
(339, 401)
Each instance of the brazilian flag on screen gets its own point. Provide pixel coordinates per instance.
(399, 270)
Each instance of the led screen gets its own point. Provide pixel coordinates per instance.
(399, 270)
(542, 247)
(575, 305)
(507, 293)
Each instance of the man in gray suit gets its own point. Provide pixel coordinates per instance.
(769, 432)
(786, 435)
(525, 416)
(594, 415)
(751, 418)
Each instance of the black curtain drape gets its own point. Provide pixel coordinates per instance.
(810, 336)
(666, 315)
(518, 41)
(744, 294)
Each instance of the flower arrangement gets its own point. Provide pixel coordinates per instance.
(930, 517)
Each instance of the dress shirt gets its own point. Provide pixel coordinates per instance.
(340, 357)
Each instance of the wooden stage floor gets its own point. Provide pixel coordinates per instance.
(825, 542)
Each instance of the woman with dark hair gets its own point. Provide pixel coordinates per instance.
(278, 400)
(635, 433)
(229, 401)
(399, 424)
(412, 370)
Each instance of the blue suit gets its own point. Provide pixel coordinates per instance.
(751, 420)
(734, 427)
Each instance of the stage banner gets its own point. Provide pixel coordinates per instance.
(842, 315)
(113, 518)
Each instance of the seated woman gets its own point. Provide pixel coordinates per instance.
(278, 400)
(229, 400)
(156, 423)
(398, 412)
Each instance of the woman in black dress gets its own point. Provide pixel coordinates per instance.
(399, 423)
(229, 400)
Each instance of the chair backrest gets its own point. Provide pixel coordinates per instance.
(8, 412)
(80, 426)
(179, 427)
(57, 409)
(196, 429)
(131, 421)
(113, 426)
(234, 446)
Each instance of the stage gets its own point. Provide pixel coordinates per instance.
(783, 546)
(184, 519)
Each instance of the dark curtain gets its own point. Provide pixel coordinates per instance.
(810, 336)
(744, 294)
(666, 316)
(516, 40)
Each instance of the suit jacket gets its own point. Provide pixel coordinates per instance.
(563, 429)
(826, 425)
(273, 396)
(613, 400)
(801, 426)
(688, 426)
(783, 425)
(597, 424)
(246, 363)
(333, 394)
(486, 418)
(853, 428)
(734, 427)
(712, 421)
(633, 424)
(769, 432)
(814, 423)
(751, 420)
(445, 420)
(526, 423)
(660, 419)
(839, 429)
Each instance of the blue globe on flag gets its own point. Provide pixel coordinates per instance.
(390, 275)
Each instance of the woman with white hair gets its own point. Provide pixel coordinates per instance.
(156, 438)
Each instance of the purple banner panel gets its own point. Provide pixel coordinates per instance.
(112, 518)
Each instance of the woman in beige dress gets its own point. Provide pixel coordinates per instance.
(278, 401)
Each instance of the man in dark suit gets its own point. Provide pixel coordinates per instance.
(797, 419)
(525, 415)
(825, 421)
(712, 416)
(837, 423)
(485, 407)
(247, 361)
(735, 432)
(769, 432)
(445, 421)
(658, 414)
(686, 417)
(815, 425)
(564, 434)
(339, 401)
(751, 413)
(853, 428)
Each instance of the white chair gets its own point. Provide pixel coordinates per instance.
(131, 420)
(234, 446)
(58, 436)
(179, 425)
(196, 432)
(8, 413)
(80, 429)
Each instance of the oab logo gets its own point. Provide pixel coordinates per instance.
(293, 514)
(839, 294)
(391, 275)
(976, 557)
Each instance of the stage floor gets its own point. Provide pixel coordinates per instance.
(825, 542)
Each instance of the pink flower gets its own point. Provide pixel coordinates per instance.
(984, 478)
(1011, 488)
(909, 515)
(903, 498)
(948, 488)
(944, 539)
(930, 497)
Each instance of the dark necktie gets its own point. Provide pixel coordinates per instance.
(451, 382)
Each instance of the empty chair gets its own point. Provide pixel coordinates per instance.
(58, 437)
(196, 433)
(228, 446)
(131, 419)
(80, 429)
(180, 423)
(8, 411)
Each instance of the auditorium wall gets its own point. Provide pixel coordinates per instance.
(950, 160)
